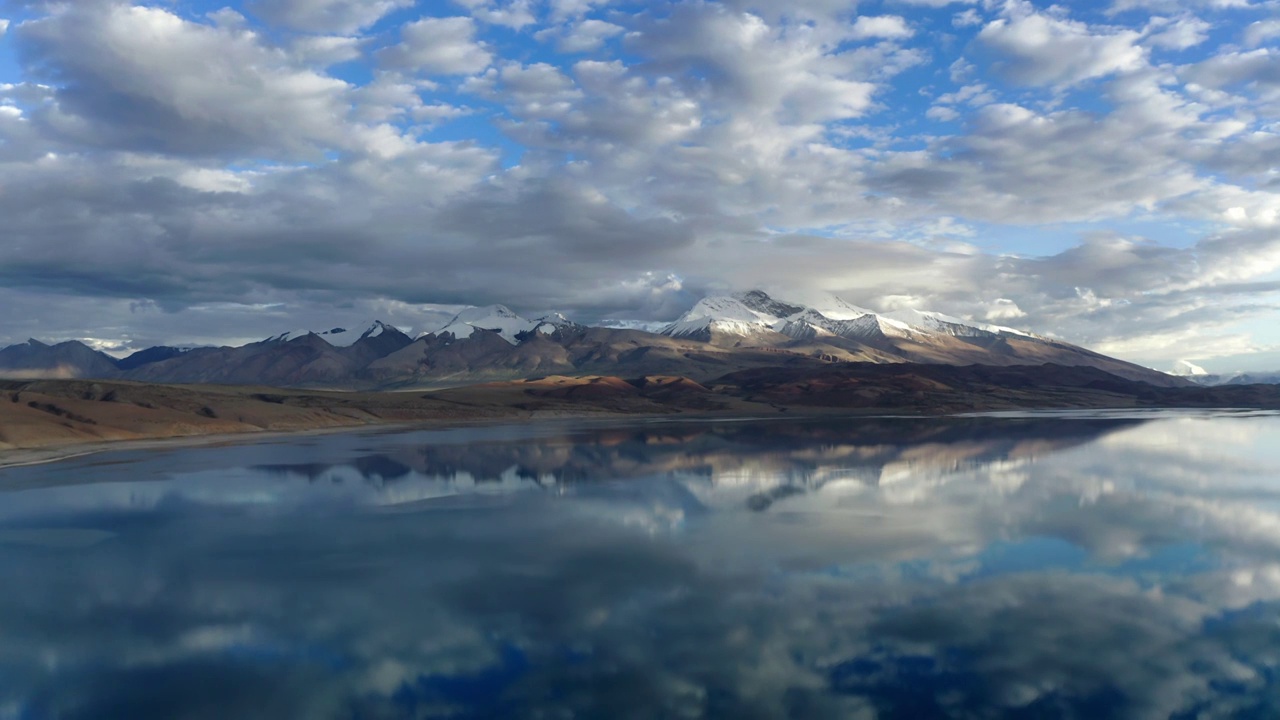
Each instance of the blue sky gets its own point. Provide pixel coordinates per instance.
(1105, 172)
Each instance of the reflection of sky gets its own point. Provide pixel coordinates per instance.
(1052, 567)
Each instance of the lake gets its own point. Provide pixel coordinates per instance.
(1053, 565)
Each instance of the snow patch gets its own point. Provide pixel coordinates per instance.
(501, 320)
(1186, 368)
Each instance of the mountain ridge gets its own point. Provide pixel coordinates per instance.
(718, 335)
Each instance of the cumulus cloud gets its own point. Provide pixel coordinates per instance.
(1045, 50)
(438, 46)
(138, 78)
(1261, 31)
(588, 35)
(883, 26)
(1179, 34)
(326, 16)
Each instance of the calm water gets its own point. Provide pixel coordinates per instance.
(1073, 566)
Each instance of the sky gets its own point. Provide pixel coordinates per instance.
(191, 172)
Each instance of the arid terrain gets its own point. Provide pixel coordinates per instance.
(43, 419)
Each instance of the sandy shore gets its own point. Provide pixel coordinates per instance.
(47, 421)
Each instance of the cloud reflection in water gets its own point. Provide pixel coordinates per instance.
(892, 568)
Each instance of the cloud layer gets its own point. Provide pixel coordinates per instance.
(1109, 175)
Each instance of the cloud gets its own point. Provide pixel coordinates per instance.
(155, 156)
(588, 35)
(885, 26)
(438, 46)
(1251, 70)
(1044, 50)
(1180, 34)
(326, 16)
(514, 14)
(1261, 31)
(137, 78)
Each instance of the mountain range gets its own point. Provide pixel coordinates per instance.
(719, 335)
(1200, 376)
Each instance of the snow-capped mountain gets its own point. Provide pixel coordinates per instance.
(719, 335)
(1186, 368)
(937, 322)
(755, 313)
(501, 320)
(1200, 376)
(289, 336)
(338, 336)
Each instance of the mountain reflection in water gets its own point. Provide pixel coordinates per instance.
(1077, 566)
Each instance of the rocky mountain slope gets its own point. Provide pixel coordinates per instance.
(717, 336)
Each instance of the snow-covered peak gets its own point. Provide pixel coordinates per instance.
(937, 322)
(485, 313)
(724, 314)
(1186, 368)
(550, 323)
(289, 336)
(557, 319)
(496, 318)
(378, 328)
(808, 315)
(336, 336)
(829, 305)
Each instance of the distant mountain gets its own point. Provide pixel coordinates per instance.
(499, 319)
(71, 359)
(148, 356)
(717, 336)
(838, 330)
(1200, 376)
(297, 358)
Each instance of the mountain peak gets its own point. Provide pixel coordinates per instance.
(493, 318)
(378, 328)
(761, 302)
(289, 336)
(1186, 368)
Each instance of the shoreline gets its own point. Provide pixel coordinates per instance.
(53, 453)
(44, 455)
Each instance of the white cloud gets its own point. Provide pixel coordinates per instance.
(1250, 71)
(1261, 32)
(941, 113)
(935, 3)
(729, 144)
(583, 36)
(1045, 50)
(438, 46)
(325, 50)
(1168, 6)
(514, 14)
(1179, 34)
(326, 16)
(143, 78)
(4, 26)
(891, 27)
(565, 9)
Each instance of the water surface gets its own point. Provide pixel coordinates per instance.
(1068, 565)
